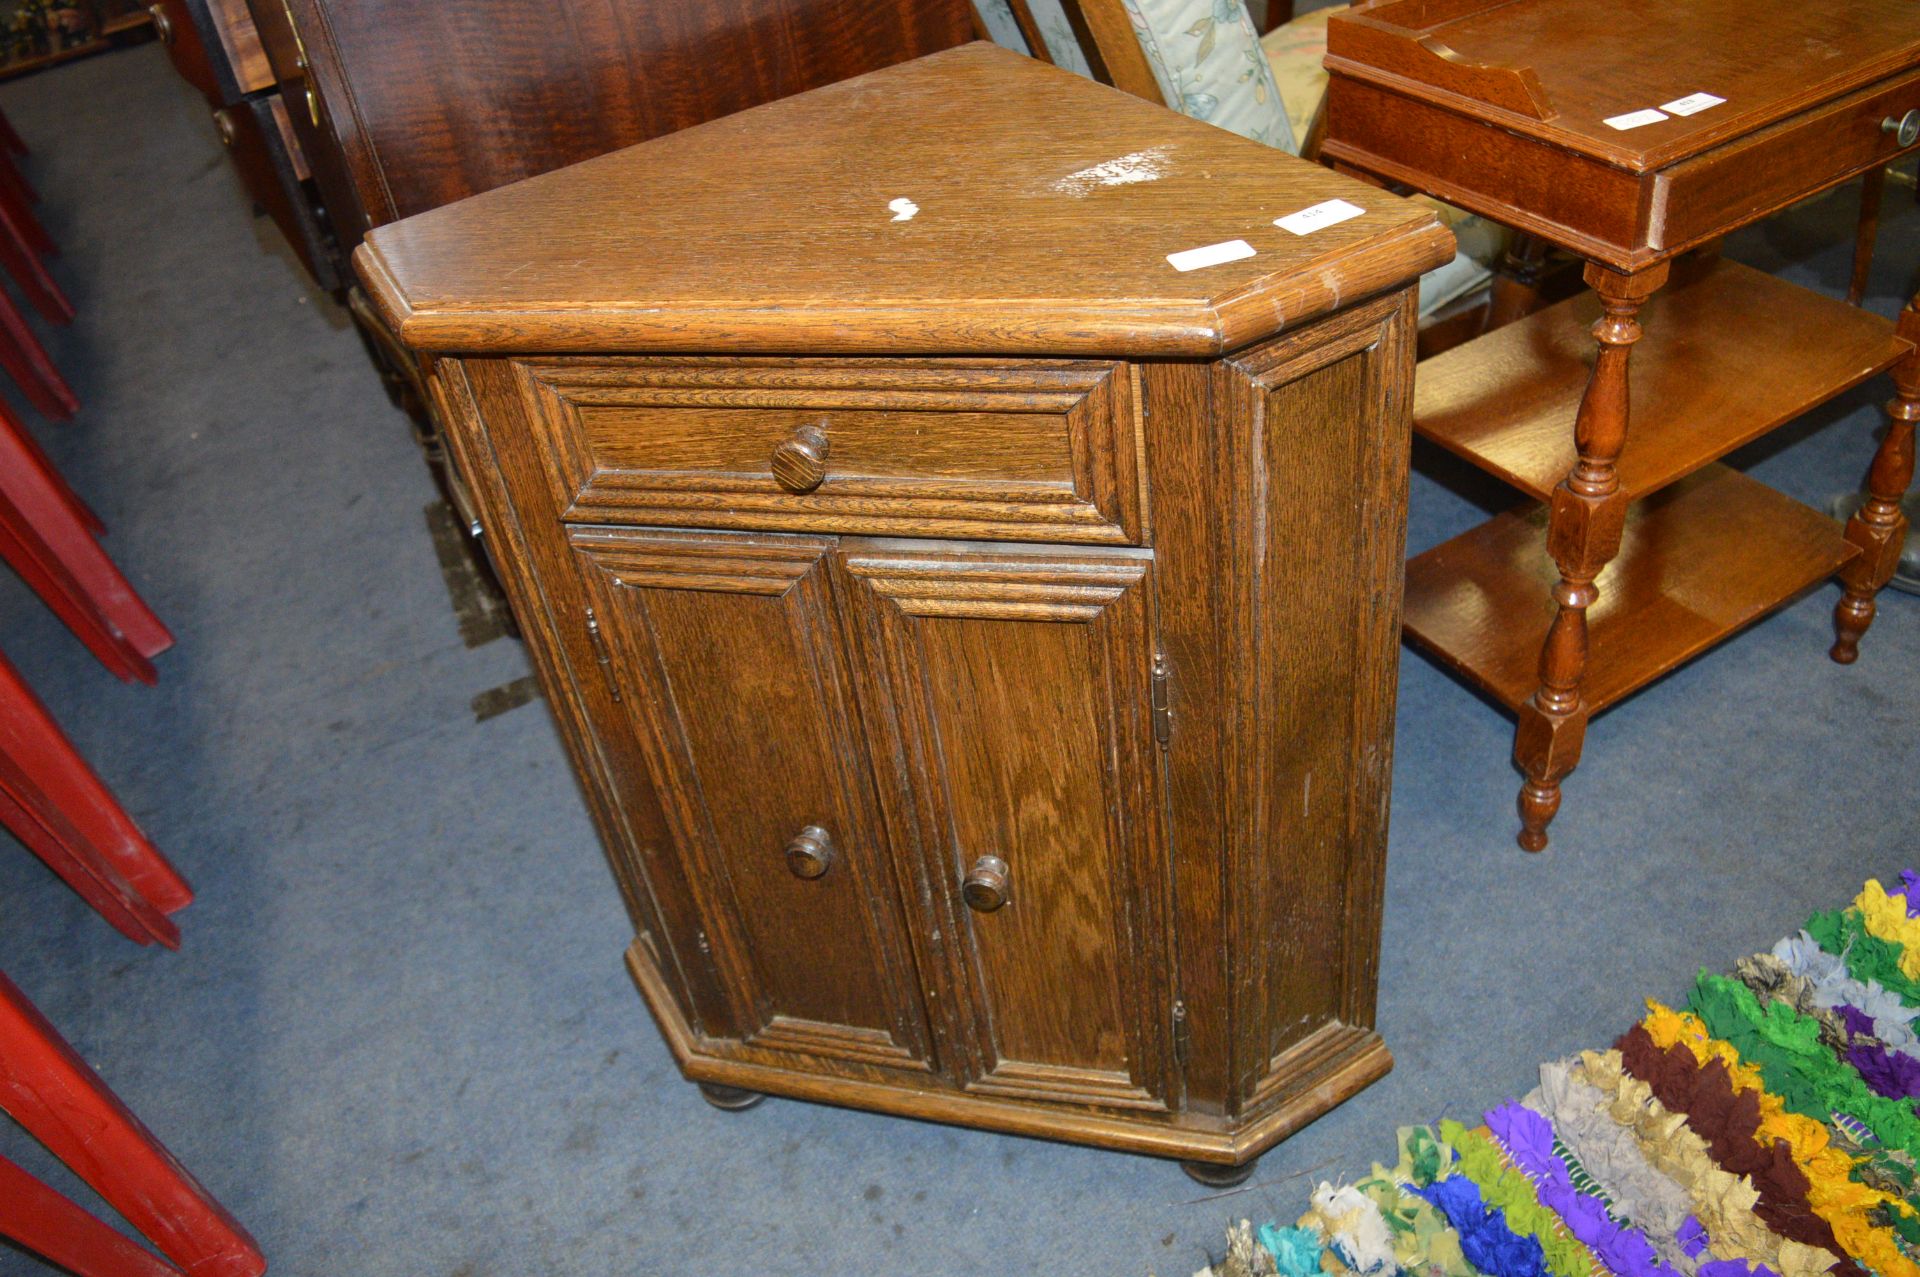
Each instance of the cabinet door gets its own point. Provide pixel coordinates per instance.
(1008, 696)
(724, 651)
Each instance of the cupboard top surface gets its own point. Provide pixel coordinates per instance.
(970, 202)
(1560, 69)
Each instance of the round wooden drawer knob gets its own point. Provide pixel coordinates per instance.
(1905, 128)
(810, 854)
(985, 888)
(800, 463)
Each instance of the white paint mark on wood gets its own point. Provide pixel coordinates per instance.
(1123, 170)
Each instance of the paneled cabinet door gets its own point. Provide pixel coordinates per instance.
(1008, 695)
(724, 651)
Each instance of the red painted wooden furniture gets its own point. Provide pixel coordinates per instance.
(13, 197)
(47, 536)
(26, 361)
(20, 253)
(10, 141)
(23, 242)
(44, 463)
(48, 1089)
(55, 804)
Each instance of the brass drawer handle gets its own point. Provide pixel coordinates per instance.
(162, 24)
(223, 122)
(986, 887)
(800, 463)
(302, 64)
(1905, 129)
(810, 854)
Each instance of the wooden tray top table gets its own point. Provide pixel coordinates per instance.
(1631, 133)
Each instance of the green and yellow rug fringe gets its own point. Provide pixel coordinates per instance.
(1767, 1128)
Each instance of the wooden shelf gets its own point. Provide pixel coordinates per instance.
(1709, 555)
(1725, 359)
(41, 61)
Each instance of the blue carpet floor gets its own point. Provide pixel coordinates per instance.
(399, 1039)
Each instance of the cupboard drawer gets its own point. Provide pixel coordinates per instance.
(1030, 451)
(1747, 178)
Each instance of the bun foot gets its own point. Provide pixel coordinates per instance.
(730, 1098)
(1851, 617)
(1539, 802)
(1214, 1175)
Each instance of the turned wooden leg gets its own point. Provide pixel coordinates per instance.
(1583, 534)
(1214, 1175)
(730, 1098)
(1879, 527)
(1872, 187)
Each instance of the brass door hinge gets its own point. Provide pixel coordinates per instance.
(601, 654)
(1162, 704)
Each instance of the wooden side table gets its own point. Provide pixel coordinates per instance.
(976, 635)
(1630, 134)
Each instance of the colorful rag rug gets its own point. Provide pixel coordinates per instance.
(1766, 1128)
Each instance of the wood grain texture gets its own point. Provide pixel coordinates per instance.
(615, 775)
(1789, 127)
(1018, 686)
(1809, 97)
(1699, 198)
(1003, 699)
(1325, 1071)
(947, 447)
(1700, 388)
(1591, 63)
(434, 103)
(311, 115)
(1020, 245)
(240, 42)
(1702, 559)
(1072, 827)
(1313, 671)
(726, 649)
(1878, 529)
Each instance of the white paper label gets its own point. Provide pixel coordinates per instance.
(1692, 104)
(1634, 119)
(1212, 255)
(1309, 220)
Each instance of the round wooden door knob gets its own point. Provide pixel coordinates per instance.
(985, 888)
(1905, 128)
(800, 463)
(810, 854)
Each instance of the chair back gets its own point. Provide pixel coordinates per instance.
(1200, 57)
(430, 103)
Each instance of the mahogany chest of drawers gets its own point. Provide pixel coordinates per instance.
(976, 636)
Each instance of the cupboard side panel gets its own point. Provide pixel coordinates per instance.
(1321, 543)
(492, 446)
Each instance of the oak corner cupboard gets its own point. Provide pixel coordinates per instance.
(976, 636)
